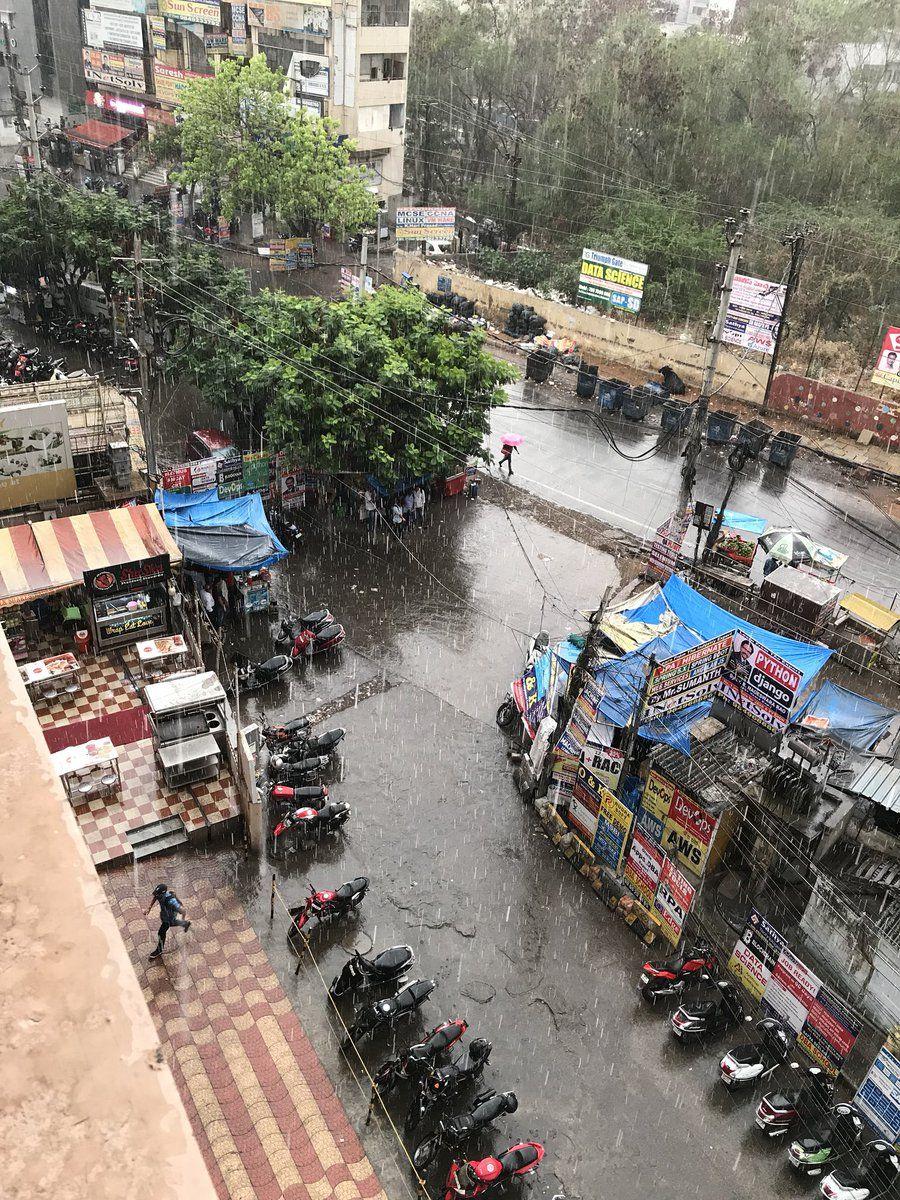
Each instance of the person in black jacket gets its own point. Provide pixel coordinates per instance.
(170, 910)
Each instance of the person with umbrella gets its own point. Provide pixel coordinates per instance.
(510, 442)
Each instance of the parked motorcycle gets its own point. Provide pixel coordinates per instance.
(313, 796)
(508, 713)
(453, 1132)
(384, 1014)
(256, 675)
(442, 1084)
(274, 735)
(303, 771)
(705, 1017)
(317, 641)
(478, 1177)
(828, 1141)
(322, 744)
(326, 904)
(361, 974)
(413, 1062)
(309, 822)
(874, 1175)
(317, 619)
(778, 1111)
(752, 1061)
(671, 976)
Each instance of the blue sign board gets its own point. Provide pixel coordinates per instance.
(879, 1097)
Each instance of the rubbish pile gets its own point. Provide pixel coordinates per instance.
(524, 322)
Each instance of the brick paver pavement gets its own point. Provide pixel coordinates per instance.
(262, 1108)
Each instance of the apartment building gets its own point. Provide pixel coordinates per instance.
(346, 59)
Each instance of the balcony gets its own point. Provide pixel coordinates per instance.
(383, 39)
(385, 12)
(381, 91)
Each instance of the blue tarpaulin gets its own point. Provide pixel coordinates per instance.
(708, 620)
(835, 712)
(220, 535)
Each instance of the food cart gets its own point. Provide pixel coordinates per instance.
(798, 600)
(188, 715)
(866, 630)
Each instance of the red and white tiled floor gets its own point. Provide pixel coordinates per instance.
(105, 689)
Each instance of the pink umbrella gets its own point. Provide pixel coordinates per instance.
(512, 439)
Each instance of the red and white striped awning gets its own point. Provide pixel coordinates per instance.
(41, 557)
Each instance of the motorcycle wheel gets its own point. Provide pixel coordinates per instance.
(415, 1114)
(650, 994)
(506, 715)
(425, 1153)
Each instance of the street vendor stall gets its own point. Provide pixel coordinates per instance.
(188, 717)
(797, 600)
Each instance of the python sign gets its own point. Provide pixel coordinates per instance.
(611, 280)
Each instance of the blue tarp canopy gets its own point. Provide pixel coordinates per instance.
(835, 712)
(744, 522)
(709, 620)
(220, 535)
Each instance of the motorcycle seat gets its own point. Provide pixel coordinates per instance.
(782, 1100)
(514, 1160)
(703, 1008)
(390, 960)
(329, 632)
(346, 890)
(748, 1053)
(313, 618)
(271, 665)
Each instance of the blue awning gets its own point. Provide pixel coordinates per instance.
(835, 712)
(220, 535)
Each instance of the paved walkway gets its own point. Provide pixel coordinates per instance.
(262, 1108)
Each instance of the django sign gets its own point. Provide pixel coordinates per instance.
(759, 683)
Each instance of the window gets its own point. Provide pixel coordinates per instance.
(385, 12)
(383, 67)
(398, 116)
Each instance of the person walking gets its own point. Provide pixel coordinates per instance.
(221, 597)
(207, 599)
(371, 509)
(506, 454)
(170, 910)
(397, 517)
(419, 501)
(409, 508)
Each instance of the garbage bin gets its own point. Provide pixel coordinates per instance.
(587, 381)
(754, 435)
(636, 403)
(676, 414)
(657, 390)
(783, 448)
(610, 393)
(82, 641)
(539, 366)
(720, 426)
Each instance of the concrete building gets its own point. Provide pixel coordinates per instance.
(691, 14)
(45, 39)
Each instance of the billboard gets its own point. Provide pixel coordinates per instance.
(643, 868)
(879, 1095)
(123, 71)
(667, 545)
(688, 831)
(791, 989)
(584, 807)
(887, 370)
(607, 279)
(171, 82)
(194, 12)
(829, 1031)
(754, 313)
(416, 224)
(103, 29)
(613, 828)
(35, 454)
(605, 762)
(759, 683)
(299, 18)
(674, 897)
(687, 678)
(755, 954)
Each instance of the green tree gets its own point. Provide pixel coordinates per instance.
(241, 142)
(385, 386)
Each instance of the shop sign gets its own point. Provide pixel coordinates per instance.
(829, 1031)
(791, 990)
(417, 224)
(605, 762)
(754, 313)
(585, 805)
(103, 29)
(177, 479)
(666, 548)
(887, 372)
(643, 867)
(239, 25)
(759, 684)
(686, 678)
(879, 1095)
(688, 832)
(125, 71)
(157, 32)
(674, 897)
(200, 12)
(298, 18)
(204, 473)
(171, 82)
(613, 828)
(607, 279)
(128, 625)
(755, 954)
(230, 478)
(256, 472)
(126, 577)
(216, 42)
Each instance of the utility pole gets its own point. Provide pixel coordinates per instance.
(30, 103)
(143, 343)
(377, 247)
(796, 240)
(15, 72)
(426, 154)
(515, 162)
(363, 262)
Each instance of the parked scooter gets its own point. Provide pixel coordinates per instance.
(753, 1061)
(671, 976)
(873, 1176)
(508, 713)
(479, 1177)
(384, 1014)
(317, 619)
(323, 744)
(303, 771)
(778, 1111)
(705, 1017)
(362, 974)
(827, 1142)
(326, 904)
(317, 641)
(276, 735)
(453, 1132)
(309, 822)
(442, 1084)
(256, 675)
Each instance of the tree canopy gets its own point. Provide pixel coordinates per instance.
(240, 140)
(386, 386)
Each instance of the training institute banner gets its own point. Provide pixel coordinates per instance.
(417, 224)
(754, 313)
(887, 372)
(687, 678)
(759, 684)
(607, 279)
(667, 545)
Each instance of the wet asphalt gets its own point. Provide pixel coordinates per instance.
(461, 870)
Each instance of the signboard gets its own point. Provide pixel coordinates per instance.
(309, 73)
(292, 484)
(127, 6)
(754, 313)
(35, 454)
(605, 762)
(177, 479)
(230, 478)
(755, 954)
(687, 678)
(667, 545)
(238, 25)
(157, 33)
(759, 683)
(829, 1031)
(125, 71)
(887, 370)
(585, 804)
(879, 1095)
(287, 254)
(656, 801)
(204, 474)
(643, 868)
(199, 12)
(674, 897)
(103, 29)
(416, 224)
(613, 828)
(791, 990)
(256, 472)
(216, 42)
(688, 831)
(299, 18)
(607, 279)
(306, 253)
(126, 577)
(171, 82)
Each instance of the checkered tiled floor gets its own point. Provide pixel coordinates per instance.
(144, 799)
(264, 1113)
(105, 689)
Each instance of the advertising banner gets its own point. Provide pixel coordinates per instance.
(157, 33)
(879, 1095)
(416, 224)
(292, 484)
(204, 474)
(125, 71)
(829, 1031)
(687, 678)
(177, 479)
(194, 12)
(674, 897)
(613, 828)
(256, 472)
(643, 868)
(35, 453)
(759, 683)
(656, 801)
(887, 371)
(215, 42)
(791, 990)
(230, 478)
(754, 313)
(688, 831)
(306, 253)
(126, 577)
(606, 763)
(607, 279)
(298, 18)
(104, 29)
(171, 82)
(238, 25)
(667, 544)
(585, 805)
(127, 6)
(755, 954)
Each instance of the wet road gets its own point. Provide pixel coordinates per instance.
(566, 459)
(461, 870)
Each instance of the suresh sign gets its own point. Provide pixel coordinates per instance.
(607, 279)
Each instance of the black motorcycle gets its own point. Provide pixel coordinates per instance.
(278, 735)
(453, 1132)
(828, 1141)
(310, 822)
(705, 1017)
(315, 620)
(257, 675)
(384, 1014)
(361, 974)
(294, 751)
(441, 1084)
(303, 771)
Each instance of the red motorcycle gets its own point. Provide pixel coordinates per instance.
(317, 641)
(671, 977)
(482, 1176)
(325, 904)
(309, 822)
